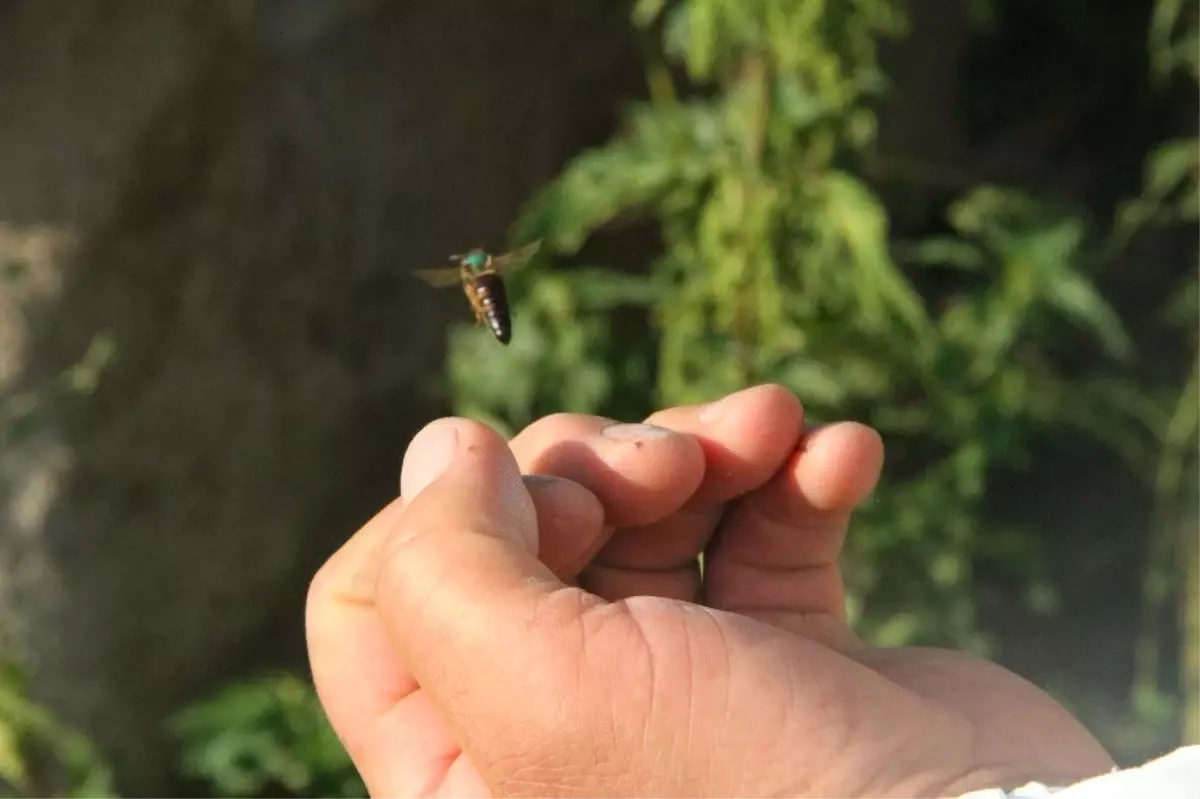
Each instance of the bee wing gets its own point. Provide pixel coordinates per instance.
(445, 276)
(517, 258)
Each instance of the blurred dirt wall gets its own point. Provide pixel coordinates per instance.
(231, 194)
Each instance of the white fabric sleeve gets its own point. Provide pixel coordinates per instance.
(1173, 776)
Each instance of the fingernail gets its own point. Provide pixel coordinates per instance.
(633, 432)
(429, 454)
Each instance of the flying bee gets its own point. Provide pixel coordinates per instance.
(479, 274)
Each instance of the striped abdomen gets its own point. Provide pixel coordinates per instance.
(493, 302)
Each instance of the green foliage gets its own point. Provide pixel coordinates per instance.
(39, 754)
(262, 738)
(32, 741)
(778, 265)
(1175, 38)
(1171, 194)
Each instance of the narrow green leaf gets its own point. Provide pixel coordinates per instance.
(1071, 293)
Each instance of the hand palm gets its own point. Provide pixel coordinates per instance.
(865, 722)
(923, 722)
(744, 682)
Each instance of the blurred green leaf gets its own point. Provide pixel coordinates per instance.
(27, 728)
(945, 251)
(13, 270)
(261, 736)
(1079, 299)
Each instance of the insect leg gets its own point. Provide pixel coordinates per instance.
(476, 306)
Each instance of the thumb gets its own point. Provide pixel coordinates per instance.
(485, 628)
(447, 443)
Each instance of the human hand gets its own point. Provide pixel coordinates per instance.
(489, 634)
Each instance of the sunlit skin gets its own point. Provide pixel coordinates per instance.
(495, 633)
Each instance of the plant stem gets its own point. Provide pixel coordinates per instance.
(1183, 433)
(756, 76)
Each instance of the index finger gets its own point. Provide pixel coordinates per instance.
(639, 472)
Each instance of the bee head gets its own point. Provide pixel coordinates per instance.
(475, 259)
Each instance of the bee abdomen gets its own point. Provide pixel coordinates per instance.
(489, 291)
